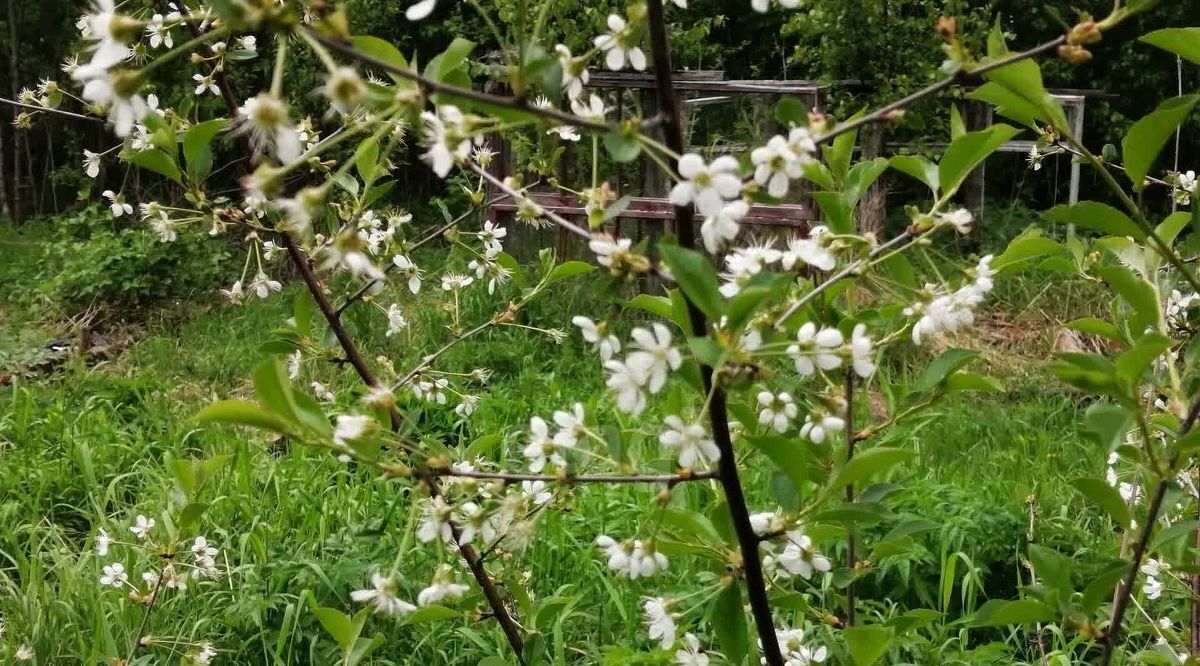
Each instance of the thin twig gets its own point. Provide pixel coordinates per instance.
(137, 639)
(884, 113)
(431, 85)
(850, 270)
(517, 196)
(47, 109)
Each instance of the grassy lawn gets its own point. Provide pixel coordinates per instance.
(89, 446)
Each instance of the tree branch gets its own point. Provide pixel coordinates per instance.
(1125, 590)
(430, 85)
(47, 109)
(884, 113)
(727, 466)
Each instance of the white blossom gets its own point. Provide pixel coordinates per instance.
(620, 46)
(653, 356)
(446, 139)
(91, 163)
(574, 71)
(263, 286)
(442, 587)
(660, 623)
(810, 251)
(159, 34)
(608, 251)
(691, 654)
(776, 164)
(117, 204)
(352, 427)
(205, 83)
(597, 333)
(776, 410)
(708, 186)
(800, 558)
(102, 542)
(322, 392)
(410, 270)
(142, 526)
(114, 575)
(265, 118)
(861, 356)
(724, 225)
(819, 426)
(816, 349)
(692, 441)
(542, 448)
(381, 597)
(396, 320)
(420, 10)
(627, 381)
(435, 522)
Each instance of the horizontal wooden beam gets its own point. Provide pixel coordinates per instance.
(652, 208)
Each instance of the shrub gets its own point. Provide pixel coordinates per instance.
(95, 259)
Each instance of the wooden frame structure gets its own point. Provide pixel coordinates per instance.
(653, 211)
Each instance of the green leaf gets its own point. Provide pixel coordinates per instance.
(1105, 497)
(431, 614)
(789, 454)
(914, 619)
(568, 269)
(157, 161)
(382, 50)
(1138, 293)
(918, 167)
(1100, 589)
(303, 308)
(1134, 361)
(339, 626)
(197, 147)
(1147, 137)
(1098, 216)
(366, 158)
(1094, 326)
(745, 304)
(1170, 228)
(790, 111)
(1023, 79)
(866, 464)
(1183, 42)
(867, 643)
(860, 177)
(838, 155)
(1052, 568)
(1007, 103)
(728, 620)
(999, 613)
(967, 152)
(836, 211)
(696, 277)
(657, 305)
(622, 147)
(455, 56)
(240, 412)
(943, 366)
(957, 126)
(1029, 245)
(1092, 373)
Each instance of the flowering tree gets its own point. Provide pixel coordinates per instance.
(757, 358)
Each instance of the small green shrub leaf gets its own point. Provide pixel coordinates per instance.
(1105, 497)
(696, 278)
(1096, 216)
(867, 643)
(1148, 136)
(1183, 42)
(240, 412)
(728, 620)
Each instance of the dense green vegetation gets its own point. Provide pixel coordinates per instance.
(87, 445)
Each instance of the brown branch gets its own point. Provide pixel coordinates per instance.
(884, 113)
(1125, 589)
(430, 85)
(727, 466)
(509, 477)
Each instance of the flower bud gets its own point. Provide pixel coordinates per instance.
(947, 27)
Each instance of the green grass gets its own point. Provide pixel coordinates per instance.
(89, 447)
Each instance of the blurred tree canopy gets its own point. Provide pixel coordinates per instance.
(887, 46)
